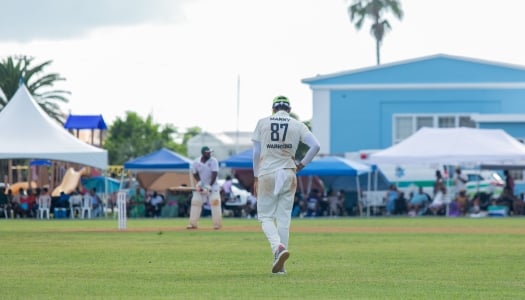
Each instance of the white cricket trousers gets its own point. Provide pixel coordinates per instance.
(196, 208)
(275, 195)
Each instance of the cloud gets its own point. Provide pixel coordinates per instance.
(26, 20)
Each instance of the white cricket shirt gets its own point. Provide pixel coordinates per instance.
(279, 136)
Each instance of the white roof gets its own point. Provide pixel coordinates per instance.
(27, 132)
(453, 146)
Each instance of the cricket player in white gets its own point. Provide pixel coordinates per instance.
(205, 170)
(275, 142)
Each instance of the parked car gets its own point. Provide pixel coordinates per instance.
(488, 182)
(239, 194)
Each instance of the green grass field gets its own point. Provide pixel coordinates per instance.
(343, 258)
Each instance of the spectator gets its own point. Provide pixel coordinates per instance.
(312, 203)
(438, 203)
(137, 204)
(333, 203)
(462, 202)
(401, 206)
(509, 181)
(154, 205)
(298, 208)
(63, 200)
(226, 188)
(250, 208)
(25, 207)
(513, 203)
(97, 209)
(439, 182)
(418, 203)
(3, 203)
(184, 200)
(391, 196)
(460, 181)
(341, 202)
(15, 203)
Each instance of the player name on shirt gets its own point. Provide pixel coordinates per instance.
(279, 119)
(279, 146)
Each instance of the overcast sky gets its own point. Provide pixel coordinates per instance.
(179, 60)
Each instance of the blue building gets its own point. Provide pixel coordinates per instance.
(379, 106)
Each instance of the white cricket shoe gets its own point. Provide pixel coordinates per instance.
(280, 257)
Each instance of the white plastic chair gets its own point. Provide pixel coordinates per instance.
(87, 206)
(44, 205)
(75, 205)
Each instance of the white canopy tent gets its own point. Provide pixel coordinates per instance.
(27, 132)
(459, 146)
(454, 146)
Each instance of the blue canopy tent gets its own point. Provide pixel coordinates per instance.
(352, 177)
(40, 162)
(336, 172)
(159, 161)
(340, 173)
(161, 169)
(241, 160)
(85, 122)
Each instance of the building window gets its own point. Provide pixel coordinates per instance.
(424, 121)
(465, 121)
(405, 125)
(446, 122)
(404, 128)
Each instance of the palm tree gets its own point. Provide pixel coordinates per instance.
(14, 70)
(374, 9)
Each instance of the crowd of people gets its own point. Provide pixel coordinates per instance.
(177, 203)
(332, 204)
(25, 203)
(455, 202)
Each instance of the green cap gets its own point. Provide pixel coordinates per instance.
(206, 149)
(281, 100)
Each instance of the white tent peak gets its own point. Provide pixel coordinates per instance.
(28, 132)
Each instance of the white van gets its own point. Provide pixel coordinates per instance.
(410, 177)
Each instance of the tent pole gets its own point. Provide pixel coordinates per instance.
(106, 194)
(368, 195)
(358, 193)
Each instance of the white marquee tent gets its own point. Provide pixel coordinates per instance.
(27, 132)
(462, 146)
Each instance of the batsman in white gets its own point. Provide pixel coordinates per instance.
(205, 170)
(275, 142)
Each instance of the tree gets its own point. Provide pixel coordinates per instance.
(374, 9)
(190, 132)
(14, 70)
(134, 137)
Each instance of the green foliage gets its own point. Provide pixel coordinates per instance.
(133, 137)
(190, 132)
(15, 69)
(343, 258)
(359, 10)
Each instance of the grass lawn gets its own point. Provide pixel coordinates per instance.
(341, 258)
